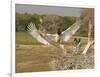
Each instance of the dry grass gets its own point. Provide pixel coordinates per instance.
(43, 58)
(35, 57)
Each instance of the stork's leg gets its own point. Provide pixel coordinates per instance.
(63, 49)
(76, 49)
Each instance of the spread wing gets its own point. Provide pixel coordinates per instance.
(33, 31)
(67, 34)
(47, 39)
(52, 38)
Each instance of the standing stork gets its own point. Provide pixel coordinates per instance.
(77, 42)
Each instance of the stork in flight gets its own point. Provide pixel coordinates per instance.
(52, 39)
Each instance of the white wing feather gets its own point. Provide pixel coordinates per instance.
(68, 33)
(33, 31)
(40, 37)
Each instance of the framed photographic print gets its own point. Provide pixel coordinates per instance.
(52, 38)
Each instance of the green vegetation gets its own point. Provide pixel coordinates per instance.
(50, 23)
(25, 38)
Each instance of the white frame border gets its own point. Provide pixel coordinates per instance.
(47, 3)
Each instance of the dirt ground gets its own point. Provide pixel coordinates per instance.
(36, 58)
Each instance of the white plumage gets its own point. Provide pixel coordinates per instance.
(34, 32)
(51, 39)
